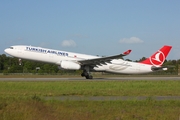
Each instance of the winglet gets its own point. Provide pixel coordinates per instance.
(127, 52)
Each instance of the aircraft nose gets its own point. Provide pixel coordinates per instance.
(6, 50)
(10, 51)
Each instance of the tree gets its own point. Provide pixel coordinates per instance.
(27, 66)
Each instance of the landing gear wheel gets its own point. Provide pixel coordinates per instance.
(89, 77)
(82, 74)
(86, 73)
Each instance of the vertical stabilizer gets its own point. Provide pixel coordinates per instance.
(158, 58)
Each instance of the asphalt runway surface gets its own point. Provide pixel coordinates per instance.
(82, 78)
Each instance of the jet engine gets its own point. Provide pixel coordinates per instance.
(69, 65)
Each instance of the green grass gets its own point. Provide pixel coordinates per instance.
(91, 88)
(24, 100)
(36, 109)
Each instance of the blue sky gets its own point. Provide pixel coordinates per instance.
(96, 27)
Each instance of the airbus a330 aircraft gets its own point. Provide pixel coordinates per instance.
(88, 63)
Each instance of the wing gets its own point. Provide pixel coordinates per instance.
(103, 60)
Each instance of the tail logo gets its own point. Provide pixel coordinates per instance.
(158, 58)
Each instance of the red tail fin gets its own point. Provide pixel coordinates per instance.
(158, 58)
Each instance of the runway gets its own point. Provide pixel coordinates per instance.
(82, 78)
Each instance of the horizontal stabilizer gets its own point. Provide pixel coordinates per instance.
(154, 68)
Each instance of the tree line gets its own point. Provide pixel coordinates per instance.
(10, 64)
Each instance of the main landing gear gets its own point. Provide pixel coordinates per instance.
(86, 73)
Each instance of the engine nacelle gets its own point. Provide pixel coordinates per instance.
(69, 65)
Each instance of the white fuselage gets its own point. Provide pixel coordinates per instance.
(56, 56)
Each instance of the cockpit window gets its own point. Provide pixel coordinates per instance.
(11, 47)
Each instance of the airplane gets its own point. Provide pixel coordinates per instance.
(89, 63)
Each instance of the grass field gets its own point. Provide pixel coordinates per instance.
(25, 100)
(91, 88)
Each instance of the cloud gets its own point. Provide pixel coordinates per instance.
(68, 43)
(131, 40)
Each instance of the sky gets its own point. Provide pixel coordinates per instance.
(95, 27)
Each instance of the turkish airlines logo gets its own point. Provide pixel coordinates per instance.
(158, 58)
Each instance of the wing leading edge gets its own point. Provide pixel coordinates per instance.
(103, 60)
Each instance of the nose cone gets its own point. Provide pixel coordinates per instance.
(7, 50)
